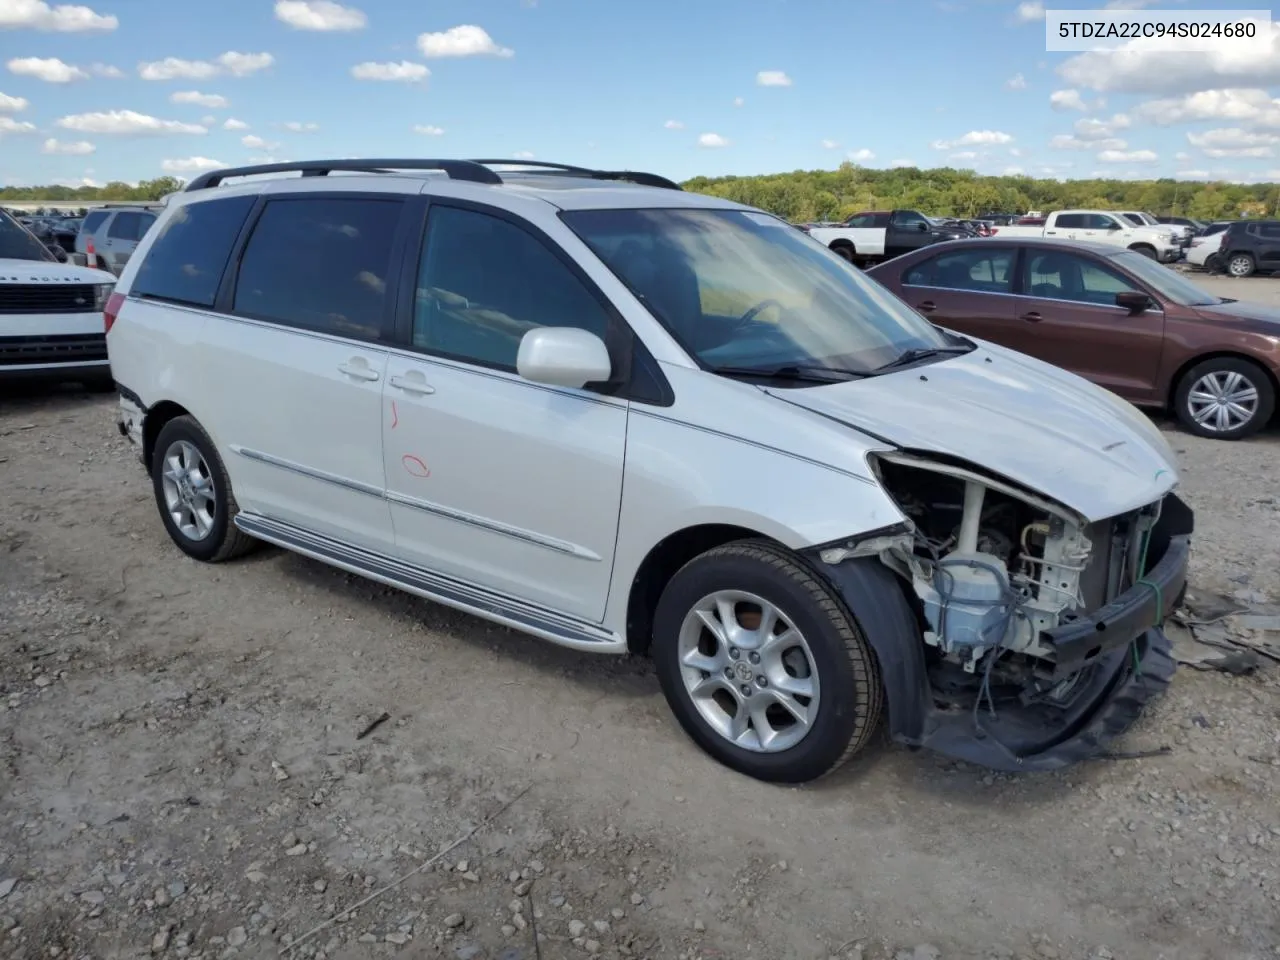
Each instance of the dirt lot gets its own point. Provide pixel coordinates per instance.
(180, 773)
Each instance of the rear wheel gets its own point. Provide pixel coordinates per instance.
(193, 493)
(846, 252)
(1226, 398)
(1240, 265)
(762, 664)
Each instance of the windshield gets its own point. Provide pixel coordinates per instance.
(1170, 285)
(743, 289)
(17, 243)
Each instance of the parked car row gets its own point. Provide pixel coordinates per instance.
(1239, 248)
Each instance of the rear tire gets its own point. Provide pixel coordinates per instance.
(1241, 265)
(847, 253)
(805, 693)
(1245, 392)
(193, 494)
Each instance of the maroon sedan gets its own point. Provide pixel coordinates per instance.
(1110, 315)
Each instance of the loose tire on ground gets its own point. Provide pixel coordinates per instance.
(849, 695)
(1240, 381)
(210, 493)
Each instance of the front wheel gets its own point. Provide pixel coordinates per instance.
(1225, 398)
(1147, 251)
(762, 664)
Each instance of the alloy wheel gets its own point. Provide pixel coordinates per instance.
(187, 484)
(1223, 401)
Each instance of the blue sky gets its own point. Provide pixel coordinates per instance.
(130, 89)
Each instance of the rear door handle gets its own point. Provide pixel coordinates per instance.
(358, 370)
(1032, 316)
(927, 305)
(411, 384)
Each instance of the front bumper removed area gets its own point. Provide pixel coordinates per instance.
(1119, 659)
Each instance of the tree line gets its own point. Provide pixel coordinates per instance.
(805, 195)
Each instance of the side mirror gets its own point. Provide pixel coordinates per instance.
(1133, 301)
(922, 227)
(57, 250)
(563, 357)
(1113, 225)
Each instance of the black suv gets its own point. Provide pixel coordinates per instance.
(1250, 246)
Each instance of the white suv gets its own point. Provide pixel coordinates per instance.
(626, 418)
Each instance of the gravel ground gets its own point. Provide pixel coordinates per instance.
(181, 773)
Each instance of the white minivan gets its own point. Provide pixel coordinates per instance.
(626, 418)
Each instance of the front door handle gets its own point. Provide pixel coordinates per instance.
(412, 384)
(927, 305)
(358, 370)
(1032, 316)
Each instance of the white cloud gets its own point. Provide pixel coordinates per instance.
(861, 156)
(255, 142)
(963, 155)
(1127, 156)
(1015, 152)
(1016, 82)
(191, 165)
(50, 69)
(231, 123)
(211, 101)
(106, 70)
(738, 101)
(403, 72)
(1234, 142)
(974, 138)
(772, 78)
(319, 15)
(1094, 129)
(1029, 11)
(295, 126)
(429, 130)
(1167, 66)
(126, 123)
(712, 140)
(1065, 142)
(10, 104)
(10, 125)
(1182, 155)
(208, 121)
(1067, 100)
(82, 182)
(1242, 105)
(674, 125)
(522, 155)
(830, 145)
(74, 148)
(902, 163)
(233, 63)
(1192, 174)
(64, 18)
(1013, 172)
(464, 41)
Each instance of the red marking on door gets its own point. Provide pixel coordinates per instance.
(395, 415)
(414, 466)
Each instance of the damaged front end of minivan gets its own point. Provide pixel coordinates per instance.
(1011, 631)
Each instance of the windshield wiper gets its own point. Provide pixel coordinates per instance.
(792, 372)
(921, 353)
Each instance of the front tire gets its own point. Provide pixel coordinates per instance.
(1225, 398)
(762, 664)
(193, 493)
(1145, 249)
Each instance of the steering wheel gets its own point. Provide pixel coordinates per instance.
(751, 314)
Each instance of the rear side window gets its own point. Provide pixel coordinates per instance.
(186, 261)
(125, 226)
(320, 263)
(1070, 221)
(93, 221)
(1269, 231)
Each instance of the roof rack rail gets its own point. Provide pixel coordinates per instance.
(631, 176)
(456, 170)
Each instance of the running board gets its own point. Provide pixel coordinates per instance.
(557, 628)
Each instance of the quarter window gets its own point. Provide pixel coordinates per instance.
(1065, 276)
(484, 282)
(187, 258)
(321, 264)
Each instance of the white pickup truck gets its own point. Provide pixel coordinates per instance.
(1099, 226)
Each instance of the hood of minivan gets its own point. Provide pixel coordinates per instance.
(38, 271)
(1014, 416)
